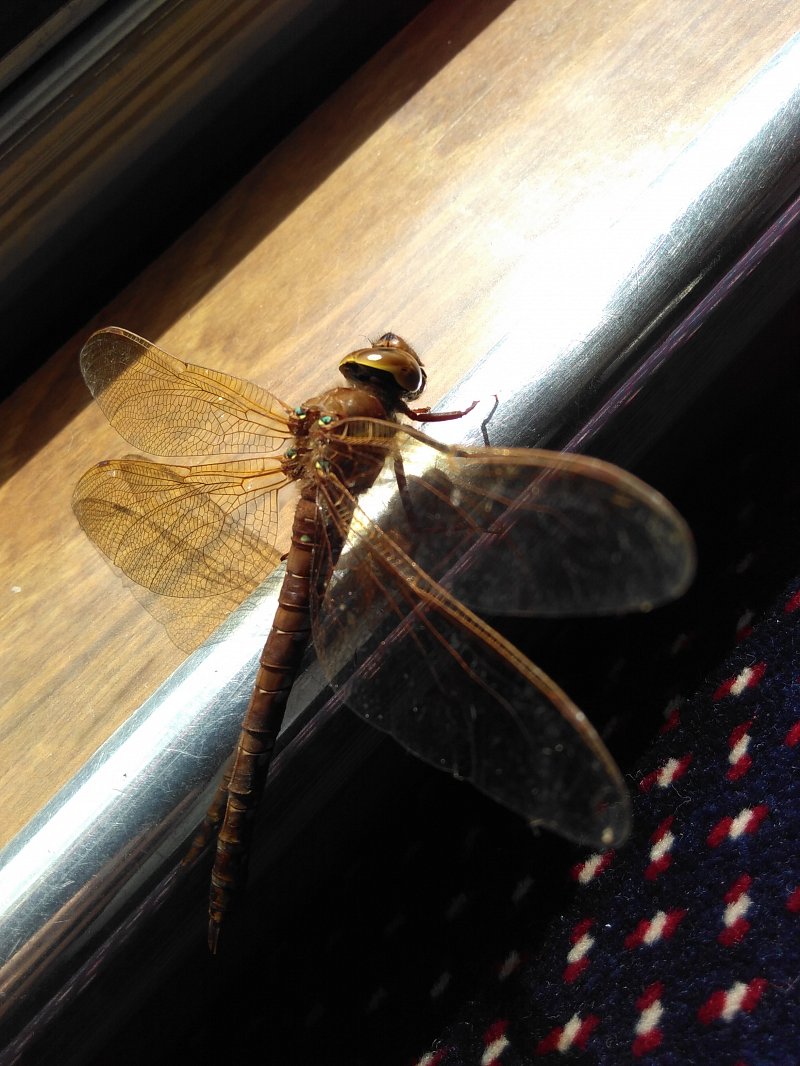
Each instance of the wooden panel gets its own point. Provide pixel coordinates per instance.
(145, 112)
(414, 201)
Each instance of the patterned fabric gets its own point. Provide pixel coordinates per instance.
(683, 947)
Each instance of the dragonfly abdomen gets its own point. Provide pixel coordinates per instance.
(278, 666)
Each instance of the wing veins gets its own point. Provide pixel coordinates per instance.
(440, 600)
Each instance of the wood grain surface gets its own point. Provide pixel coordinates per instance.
(412, 200)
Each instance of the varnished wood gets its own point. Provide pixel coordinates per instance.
(413, 200)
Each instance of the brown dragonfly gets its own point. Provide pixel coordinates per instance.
(397, 542)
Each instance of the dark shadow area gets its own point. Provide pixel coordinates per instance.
(729, 465)
(18, 21)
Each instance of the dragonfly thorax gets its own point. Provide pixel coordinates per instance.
(329, 440)
(343, 402)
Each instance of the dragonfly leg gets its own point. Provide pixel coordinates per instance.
(424, 414)
(487, 420)
(402, 489)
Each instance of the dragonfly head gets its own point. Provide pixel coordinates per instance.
(389, 367)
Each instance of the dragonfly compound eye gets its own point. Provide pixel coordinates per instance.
(390, 365)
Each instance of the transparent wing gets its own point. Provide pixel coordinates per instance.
(204, 537)
(533, 532)
(170, 408)
(520, 531)
(416, 663)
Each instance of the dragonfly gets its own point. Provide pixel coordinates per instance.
(398, 546)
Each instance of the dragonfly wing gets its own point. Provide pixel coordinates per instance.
(167, 407)
(413, 661)
(532, 532)
(201, 537)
